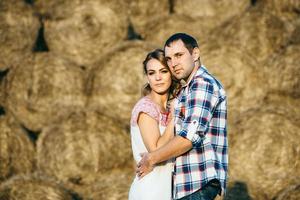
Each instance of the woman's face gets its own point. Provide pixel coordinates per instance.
(159, 77)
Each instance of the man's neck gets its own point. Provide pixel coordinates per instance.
(192, 74)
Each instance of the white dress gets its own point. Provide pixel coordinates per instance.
(157, 184)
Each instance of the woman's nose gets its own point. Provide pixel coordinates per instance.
(158, 76)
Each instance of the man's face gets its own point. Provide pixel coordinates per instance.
(179, 59)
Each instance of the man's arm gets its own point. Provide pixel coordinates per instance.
(175, 147)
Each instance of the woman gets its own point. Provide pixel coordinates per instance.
(152, 127)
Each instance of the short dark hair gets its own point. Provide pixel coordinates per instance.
(189, 42)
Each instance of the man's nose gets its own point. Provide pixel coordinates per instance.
(174, 63)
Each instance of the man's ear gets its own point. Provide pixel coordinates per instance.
(196, 54)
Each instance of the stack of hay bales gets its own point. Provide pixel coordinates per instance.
(18, 32)
(80, 93)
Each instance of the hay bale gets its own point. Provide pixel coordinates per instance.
(18, 31)
(16, 150)
(282, 72)
(141, 12)
(292, 192)
(42, 87)
(221, 9)
(295, 33)
(237, 72)
(282, 6)
(265, 149)
(82, 30)
(33, 187)
(257, 33)
(112, 185)
(289, 105)
(115, 83)
(160, 29)
(82, 146)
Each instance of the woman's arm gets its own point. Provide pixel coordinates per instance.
(150, 132)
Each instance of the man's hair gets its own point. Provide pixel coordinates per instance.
(189, 42)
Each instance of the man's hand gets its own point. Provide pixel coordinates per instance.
(144, 166)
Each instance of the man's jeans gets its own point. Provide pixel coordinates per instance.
(208, 192)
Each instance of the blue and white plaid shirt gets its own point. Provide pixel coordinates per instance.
(201, 117)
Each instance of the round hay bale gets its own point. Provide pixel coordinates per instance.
(282, 72)
(236, 70)
(257, 33)
(18, 31)
(265, 150)
(140, 12)
(295, 33)
(292, 192)
(115, 83)
(221, 9)
(33, 187)
(282, 6)
(42, 87)
(81, 31)
(16, 150)
(82, 146)
(112, 185)
(291, 106)
(159, 30)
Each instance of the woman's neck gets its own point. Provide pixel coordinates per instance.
(159, 99)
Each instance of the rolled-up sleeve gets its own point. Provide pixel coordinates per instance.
(200, 103)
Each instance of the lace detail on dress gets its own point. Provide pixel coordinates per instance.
(145, 105)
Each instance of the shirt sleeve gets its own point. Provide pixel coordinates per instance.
(201, 101)
(144, 107)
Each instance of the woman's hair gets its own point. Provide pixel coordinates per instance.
(159, 55)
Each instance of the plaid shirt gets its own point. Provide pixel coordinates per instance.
(200, 116)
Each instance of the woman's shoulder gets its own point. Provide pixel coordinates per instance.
(144, 105)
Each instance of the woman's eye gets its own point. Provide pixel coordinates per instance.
(165, 71)
(150, 73)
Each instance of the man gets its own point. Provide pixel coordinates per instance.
(200, 144)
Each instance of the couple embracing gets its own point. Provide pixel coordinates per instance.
(179, 128)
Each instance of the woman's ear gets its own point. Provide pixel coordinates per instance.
(196, 54)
